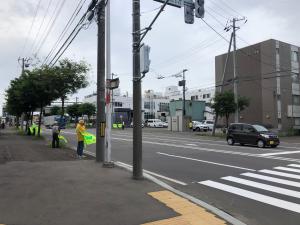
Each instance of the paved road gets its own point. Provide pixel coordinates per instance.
(258, 186)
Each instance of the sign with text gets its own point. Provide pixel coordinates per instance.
(176, 3)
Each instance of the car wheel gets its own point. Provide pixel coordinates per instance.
(242, 144)
(230, 141)
(273, 146)
(260, 143)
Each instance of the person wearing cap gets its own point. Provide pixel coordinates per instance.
(55, 133)
(80, 128)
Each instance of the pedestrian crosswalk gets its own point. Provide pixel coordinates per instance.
(272, 187)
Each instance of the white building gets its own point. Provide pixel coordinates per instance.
(155, 105)
(201, 94)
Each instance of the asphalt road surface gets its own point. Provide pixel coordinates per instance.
(257, 186)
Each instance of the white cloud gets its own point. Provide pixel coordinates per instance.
(174, 44)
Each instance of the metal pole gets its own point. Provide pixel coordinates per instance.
(235, 81)
(183, 92)
(107, 155)
(137, 106)
(100, 132)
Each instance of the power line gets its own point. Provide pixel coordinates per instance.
(31, 26)
(224, 3)
(51, 26)
(66, 28)
(39, 29)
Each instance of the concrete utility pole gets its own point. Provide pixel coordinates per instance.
(222, 83)
(183, 91)
(235, 81)
(137, 99)
(235, 72)
(107, 155)
(101, 124)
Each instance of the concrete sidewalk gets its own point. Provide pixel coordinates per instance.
(40, 185)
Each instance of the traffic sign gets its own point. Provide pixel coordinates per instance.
(176, 3)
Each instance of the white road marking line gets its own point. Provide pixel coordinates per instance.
(281, 174)
(272, 179)
(287, 169)
(212, 150)
(158, 175)
(295, 165)
(266, 187)
(254, 196)
(198, 160)
(192, 144)
(280, 153)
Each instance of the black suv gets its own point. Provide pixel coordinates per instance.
(251, 134)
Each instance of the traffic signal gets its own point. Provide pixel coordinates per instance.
(188, 13)
(199, 8)
(145, 59)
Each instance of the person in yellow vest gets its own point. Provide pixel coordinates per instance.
(80, 128)
(191, 125)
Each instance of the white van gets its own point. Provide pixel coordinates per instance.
(155, 123)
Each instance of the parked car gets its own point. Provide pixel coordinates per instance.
(205, 125)
(165, 124)
(154, 123)
(243, 133)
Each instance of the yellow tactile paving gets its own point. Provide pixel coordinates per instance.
(191, 214)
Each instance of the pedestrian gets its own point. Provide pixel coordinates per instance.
(191, 125)
(123, 125)
(80, 128)
(55, 133)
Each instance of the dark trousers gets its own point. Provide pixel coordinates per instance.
(55, 140)
(80, 146)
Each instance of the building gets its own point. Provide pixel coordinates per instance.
(156, 106)
(268, 74)
(201, 94)
(193, 109)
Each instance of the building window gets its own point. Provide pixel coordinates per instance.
(296, 100)
(295, 78)
(194, 97)
(204, 96)
(118, 104)
(297, 121)
(163, 107)
(208, 95)
(147, 105)
(295, 56)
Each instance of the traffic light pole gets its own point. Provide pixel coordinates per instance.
(100, 132)
(183, 92)
(137, 106)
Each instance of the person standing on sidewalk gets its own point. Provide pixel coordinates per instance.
(80, 128)
(55, 133)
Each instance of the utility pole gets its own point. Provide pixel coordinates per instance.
(100, 132)
(137, 106)
(222, 83)
(183, 91)
(107, 156)
(235, 81)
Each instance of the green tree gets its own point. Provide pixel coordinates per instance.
(55, 110)
(73, 111)
(88, 109)
(224, 104)
(69, 78)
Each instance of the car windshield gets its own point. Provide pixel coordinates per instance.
(260, 128)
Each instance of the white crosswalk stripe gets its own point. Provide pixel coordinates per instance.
(256, 188)
(272, 179)
(287, 169)
(295, 165)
